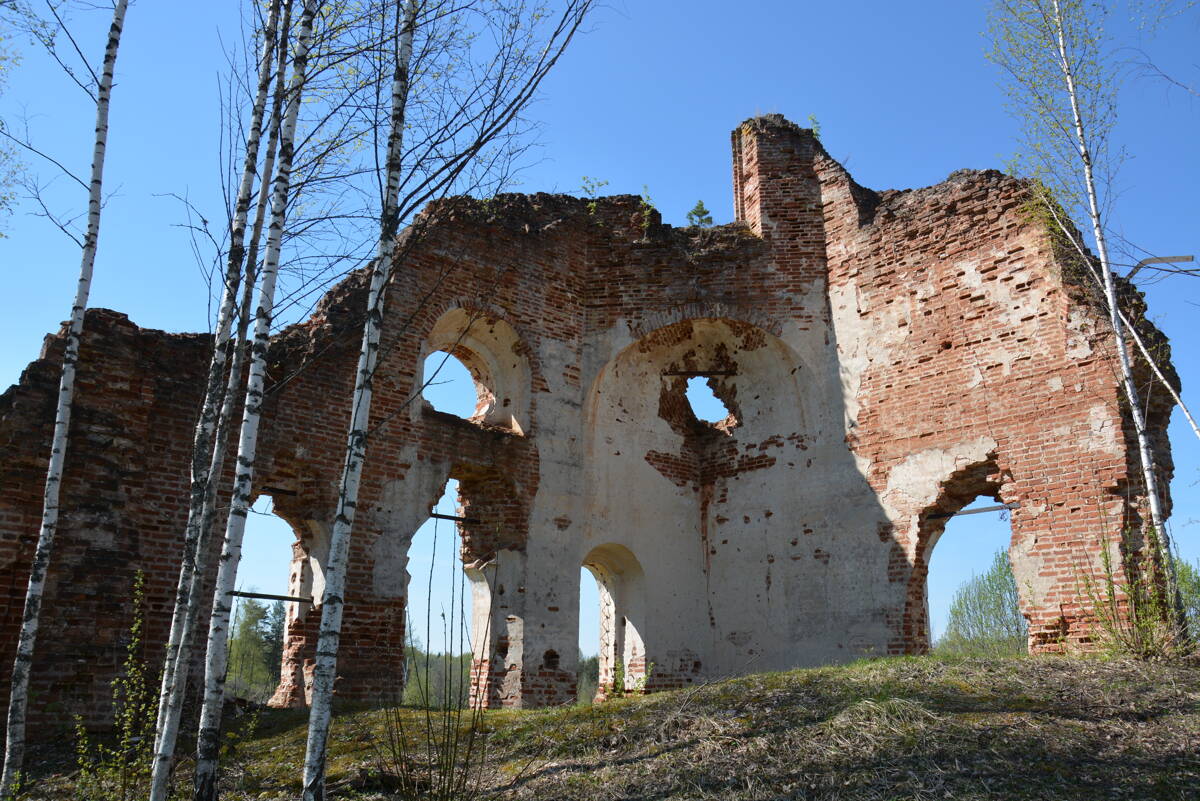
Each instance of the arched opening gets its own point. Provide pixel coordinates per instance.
(971, 594)
(587, 679)
(962, 587)
(442, 603)
(622, 668)
(258, 628)
(688, 495)
(493, 355)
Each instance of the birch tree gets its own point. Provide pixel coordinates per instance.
(319, 714)
(216, 659)
(502, 102)
(1063, 87)
(208, 451)
(9, 166)
(19, 691)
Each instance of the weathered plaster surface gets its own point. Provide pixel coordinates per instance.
(886, 357)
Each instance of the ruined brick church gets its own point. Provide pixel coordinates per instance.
(886, 358)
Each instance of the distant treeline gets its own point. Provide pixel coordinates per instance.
(433, 680)
(255, 650)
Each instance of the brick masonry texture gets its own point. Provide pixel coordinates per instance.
(886, 358)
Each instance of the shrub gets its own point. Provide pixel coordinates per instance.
(118, 768)
(985, 618)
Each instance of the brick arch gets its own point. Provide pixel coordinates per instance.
(982, 479)
(650, 322)
(496, 356)
(741, 334)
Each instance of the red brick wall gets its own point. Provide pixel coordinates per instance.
(1000, 341)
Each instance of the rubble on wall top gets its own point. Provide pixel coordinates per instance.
(764, 122)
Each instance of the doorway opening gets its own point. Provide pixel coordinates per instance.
(588, 674)
(621, 652)
(438, 624)
(258, 627)
(971, 594)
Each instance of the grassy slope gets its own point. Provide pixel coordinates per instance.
(913, 728)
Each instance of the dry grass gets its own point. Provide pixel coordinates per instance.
(912, 728)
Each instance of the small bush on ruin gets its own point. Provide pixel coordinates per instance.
(700, 215)
(1132, 615)
(118, 768)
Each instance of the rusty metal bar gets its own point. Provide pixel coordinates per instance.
(264, 596)
(1004, 507)
(457, 519)
(699, 373)
(1159, 260)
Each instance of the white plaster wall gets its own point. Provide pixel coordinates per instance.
(628, 502)
(799, 573)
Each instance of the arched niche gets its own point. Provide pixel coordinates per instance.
(707, 503)
(754, 374)
(492, 351)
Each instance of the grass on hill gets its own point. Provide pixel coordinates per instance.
(902, 728)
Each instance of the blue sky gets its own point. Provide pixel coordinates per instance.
(644, 100)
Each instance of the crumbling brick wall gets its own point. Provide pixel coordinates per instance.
(885, 358)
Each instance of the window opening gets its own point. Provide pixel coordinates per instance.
(449, 386)
(970, 592)
(439, 620)
(705, 404)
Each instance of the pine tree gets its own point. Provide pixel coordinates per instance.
(699, 215)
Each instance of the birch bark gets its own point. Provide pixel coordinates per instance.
(332, 600)
(1150, 358)
(1149, 475)
(208, 453)
(216, 662)
(14, 751)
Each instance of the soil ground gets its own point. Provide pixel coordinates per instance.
(904, 728)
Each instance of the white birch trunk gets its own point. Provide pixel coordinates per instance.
(14, 751)
(332, 600)
(208, 457)
(1151, 359)
(1116, 320)
(216, 662)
